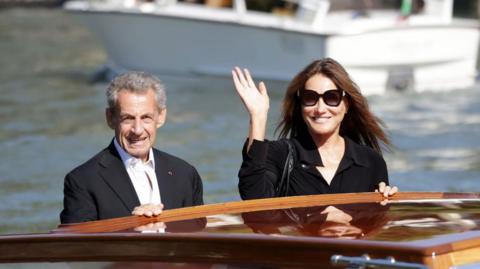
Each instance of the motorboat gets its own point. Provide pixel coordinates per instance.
(381, 48)
(355, 230)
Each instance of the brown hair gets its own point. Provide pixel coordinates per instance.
(359, 124)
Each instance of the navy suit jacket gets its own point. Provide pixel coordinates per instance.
(101, 188)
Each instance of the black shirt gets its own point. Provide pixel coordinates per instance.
(360, 170)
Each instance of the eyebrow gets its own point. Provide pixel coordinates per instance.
(124, 114)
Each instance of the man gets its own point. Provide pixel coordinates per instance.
(130, 175)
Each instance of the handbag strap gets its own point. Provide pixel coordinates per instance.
(283, 184)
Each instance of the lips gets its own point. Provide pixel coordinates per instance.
(320, 119)
(136, 141)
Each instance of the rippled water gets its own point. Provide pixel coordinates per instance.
(52, 120)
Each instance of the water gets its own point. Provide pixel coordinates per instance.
(52, 120)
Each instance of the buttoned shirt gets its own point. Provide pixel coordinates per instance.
(142, 174)
(361, 169)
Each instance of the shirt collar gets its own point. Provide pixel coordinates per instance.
(309, 152)
(130, 161)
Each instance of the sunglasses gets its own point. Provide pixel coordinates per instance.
(330, 97)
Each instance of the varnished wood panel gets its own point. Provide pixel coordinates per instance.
(256, 249)
(124, 223)
(466, 256)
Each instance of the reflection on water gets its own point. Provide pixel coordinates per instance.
(52, 120)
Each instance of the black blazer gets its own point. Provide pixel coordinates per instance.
(102, 189)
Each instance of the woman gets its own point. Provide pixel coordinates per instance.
(334, 135)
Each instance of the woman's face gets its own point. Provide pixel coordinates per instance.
(322, 119)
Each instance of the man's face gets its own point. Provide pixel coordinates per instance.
(135, 120)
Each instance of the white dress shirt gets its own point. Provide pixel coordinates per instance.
(142, 174)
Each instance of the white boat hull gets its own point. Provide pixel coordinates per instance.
(405, 57)
(420, 58)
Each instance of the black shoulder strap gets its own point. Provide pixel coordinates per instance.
(284, 182)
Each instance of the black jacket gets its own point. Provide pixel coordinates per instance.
(102, 189)
(360, 170)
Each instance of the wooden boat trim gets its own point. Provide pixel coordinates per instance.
(119, 224)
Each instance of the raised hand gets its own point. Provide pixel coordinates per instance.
(255, 99)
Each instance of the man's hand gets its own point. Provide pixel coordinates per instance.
(148, 210)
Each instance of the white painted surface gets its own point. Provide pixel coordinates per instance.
(380, 52)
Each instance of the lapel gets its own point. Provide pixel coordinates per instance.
(164, 175)
(116, 176)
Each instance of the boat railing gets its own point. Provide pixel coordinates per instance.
(312, 11)
(316, 13)
(440, 9)
(179, 214)
(240, 6)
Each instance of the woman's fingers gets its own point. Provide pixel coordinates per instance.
(241, 76)
(236, 81)
(249, 79)
(245, 85)
(393, 190)
(262, 88)
(242, 81)
(386, 190)
(381, 187)
(255, 99)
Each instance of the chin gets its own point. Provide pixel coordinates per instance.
(138, 153)
(320, 130)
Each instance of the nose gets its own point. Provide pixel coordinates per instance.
(137, 127)
(320, 106)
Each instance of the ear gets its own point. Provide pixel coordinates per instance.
(110, 117)
(162, 117)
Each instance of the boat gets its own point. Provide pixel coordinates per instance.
(355, 230)
(381, 49)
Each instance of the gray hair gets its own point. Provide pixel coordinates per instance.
(136, 82)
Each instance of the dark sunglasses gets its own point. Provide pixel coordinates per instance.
(330, 97)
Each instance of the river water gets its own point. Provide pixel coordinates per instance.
(52, 119)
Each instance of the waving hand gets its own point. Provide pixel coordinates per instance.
(256, 101)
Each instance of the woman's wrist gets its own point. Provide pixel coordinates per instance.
(258, 127)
